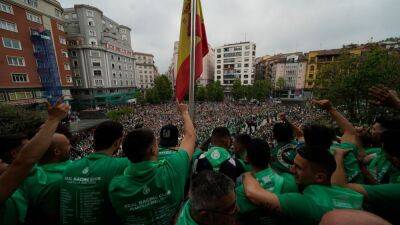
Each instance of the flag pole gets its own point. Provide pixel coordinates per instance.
(192, 57)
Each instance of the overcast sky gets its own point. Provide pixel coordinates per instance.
(276, 26)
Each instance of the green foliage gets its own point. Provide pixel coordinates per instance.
(140, 98)
(163, 88)
(238, 90)
(346, 82)
(280, 83)
(201, 94)
(17, 120)
(118, 114)
(215, 92)
(260, 89)
(152, 96)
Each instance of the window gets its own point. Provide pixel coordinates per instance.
(218, 71)
(218, 56)
(126, 83)
(218, 77)
(74, 16)
(124, 37)
(93, 42)
(8, 26)
(96, 63)
(97, 72)
(15, 61)
(219, 50)
(114, 82)
(246, 76)
(60, 27)
(68, 79)
(58, 13)
(75, 63)
(114, 74)
(65, 54)
(245, 82)
(74, 53)
(19, 78)
(91, 22)
(2, 97)
(66, 16)
(92, 33)
(20, 95)
(6, 8)
(113, 66)
(94, 53)
(10, 43)
(33, 3)
(63, 41)
(246, 65)
(33, 18)
(90, 13)
(119, 67)
(98, 82)
(66, 66)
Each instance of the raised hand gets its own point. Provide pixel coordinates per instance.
(182, 108)
(383, 96)
(59, 111)
(324, 104)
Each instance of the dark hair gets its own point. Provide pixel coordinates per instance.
(220, 133)
(283, 132)
(258, 153)
(9, 143)
(318, 136)
(207, 188)
(243, 139)
(320, 157)
(106, 134)
(390, 142)
(388, 123)
(137, 143)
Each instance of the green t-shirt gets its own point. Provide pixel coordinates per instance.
(269, 180)
(382, 169)
(216, 156)
(84, 189)
(353, 172)
(42, 191)
(196, 154)
(151, 192)
(164, 153)
(184, 217)
(282, 156)
(13, 210)
(316, 200)
(384, 200)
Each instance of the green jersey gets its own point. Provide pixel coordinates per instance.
(13, 210)
(316, 200)
(164, 153)
(84, 189)
(382, 169)
(269, 180)
(151, 192)
(282, 156)
(384, 200)
(42, 191)
(184, 217)
(353, 172)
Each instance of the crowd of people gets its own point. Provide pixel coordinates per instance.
(150, 168)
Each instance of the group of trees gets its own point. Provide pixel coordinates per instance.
(161, 92)
(14, 120)
(212, 92)
(347, 81)
(259, 90)
(119, 113)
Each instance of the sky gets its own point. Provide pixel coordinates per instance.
(276, 26)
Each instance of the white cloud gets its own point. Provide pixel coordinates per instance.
(275, 25)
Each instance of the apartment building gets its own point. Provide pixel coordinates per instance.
(145, 70)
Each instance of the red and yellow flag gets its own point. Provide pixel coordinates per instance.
(183, 76)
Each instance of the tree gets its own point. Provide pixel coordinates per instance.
(215, 93)
(347, 81)
(280, 83)
(238, 91)
(163, 88)
(201, 94)
(140, 98)
(260, 89)
(152, 96)
(118, 114)
(15, 120)
(248, 92)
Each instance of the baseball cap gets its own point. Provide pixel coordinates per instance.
(169, 136)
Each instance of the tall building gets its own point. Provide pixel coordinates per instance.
(206, 77)
(235, 61)
(34, 59)
(145, 70)
(316, 60)
(102, 59)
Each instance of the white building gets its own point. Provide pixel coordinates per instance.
(145, 70)
(208, 66)
(235, 61)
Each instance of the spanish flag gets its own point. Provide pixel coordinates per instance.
(183, 76)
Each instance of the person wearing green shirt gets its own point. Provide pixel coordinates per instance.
(211, 201)
(42, 187)
(168, 144)
(218, 158)
(258, 154)
(151, 191)
(12, 201)
(348, 141)
(382, 199)
(282, 155)
(240, 145)
(313, 167)
(84, 188)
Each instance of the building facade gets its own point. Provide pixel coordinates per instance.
(33, 51)
(101, 55)
(206, 77)
(145, 70)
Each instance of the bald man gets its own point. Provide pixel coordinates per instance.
(42, 187)
(352, 217)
